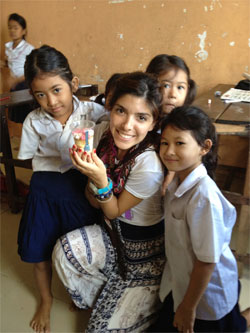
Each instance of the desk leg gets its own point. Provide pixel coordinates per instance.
(12, 190)
(242, 241)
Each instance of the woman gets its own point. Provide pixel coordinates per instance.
(115, 268)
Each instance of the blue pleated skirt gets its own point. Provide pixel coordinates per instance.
(55, 205)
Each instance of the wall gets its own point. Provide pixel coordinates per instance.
(100, 37)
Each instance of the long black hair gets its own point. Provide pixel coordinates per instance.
(19, 19)
(47, 60)
(196, 121)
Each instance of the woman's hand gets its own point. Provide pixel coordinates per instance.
(90, 165)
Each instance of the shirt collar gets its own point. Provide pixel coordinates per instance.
(9, 45)
(76, 103)
(190, 181)
(20, 44)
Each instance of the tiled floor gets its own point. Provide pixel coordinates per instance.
(18, 291)
(19, 296)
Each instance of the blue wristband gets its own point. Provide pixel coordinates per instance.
(100, 191)
(105, 189)
(104, 196)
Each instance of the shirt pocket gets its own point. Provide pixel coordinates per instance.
(177, 233)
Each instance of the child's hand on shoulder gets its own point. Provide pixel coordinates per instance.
(167, 180)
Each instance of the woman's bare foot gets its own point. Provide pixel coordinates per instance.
(41, 320)
(246, 315)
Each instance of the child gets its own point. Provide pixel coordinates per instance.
(16, 51)
(178, 88)
(56, 203)
(15, 54)
(174, 76)
(199, 286)
(121, 281)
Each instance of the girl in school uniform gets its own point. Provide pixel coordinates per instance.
(115, 268)
(56, 203)
(174, 76)
(199, 287)
(178, 89)
(16, 51)
(15, 55)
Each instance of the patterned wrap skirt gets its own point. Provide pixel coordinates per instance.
(86, 262)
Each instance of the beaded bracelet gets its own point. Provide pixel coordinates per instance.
(103, 199)
(104, 195)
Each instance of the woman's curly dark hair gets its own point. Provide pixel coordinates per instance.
(145, 86)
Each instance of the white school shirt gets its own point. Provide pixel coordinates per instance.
(17, 56)
(144, 182)
(46, 142)
(198, 224)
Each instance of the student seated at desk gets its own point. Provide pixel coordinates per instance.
(56, 202)
(15, 55)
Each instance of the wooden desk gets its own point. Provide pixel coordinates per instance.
(216, 108)
(232, 125)
(231, 122)
(12, 99)
(221, 112)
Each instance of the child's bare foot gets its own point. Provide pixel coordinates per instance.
(41, 320)
(246, 315)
